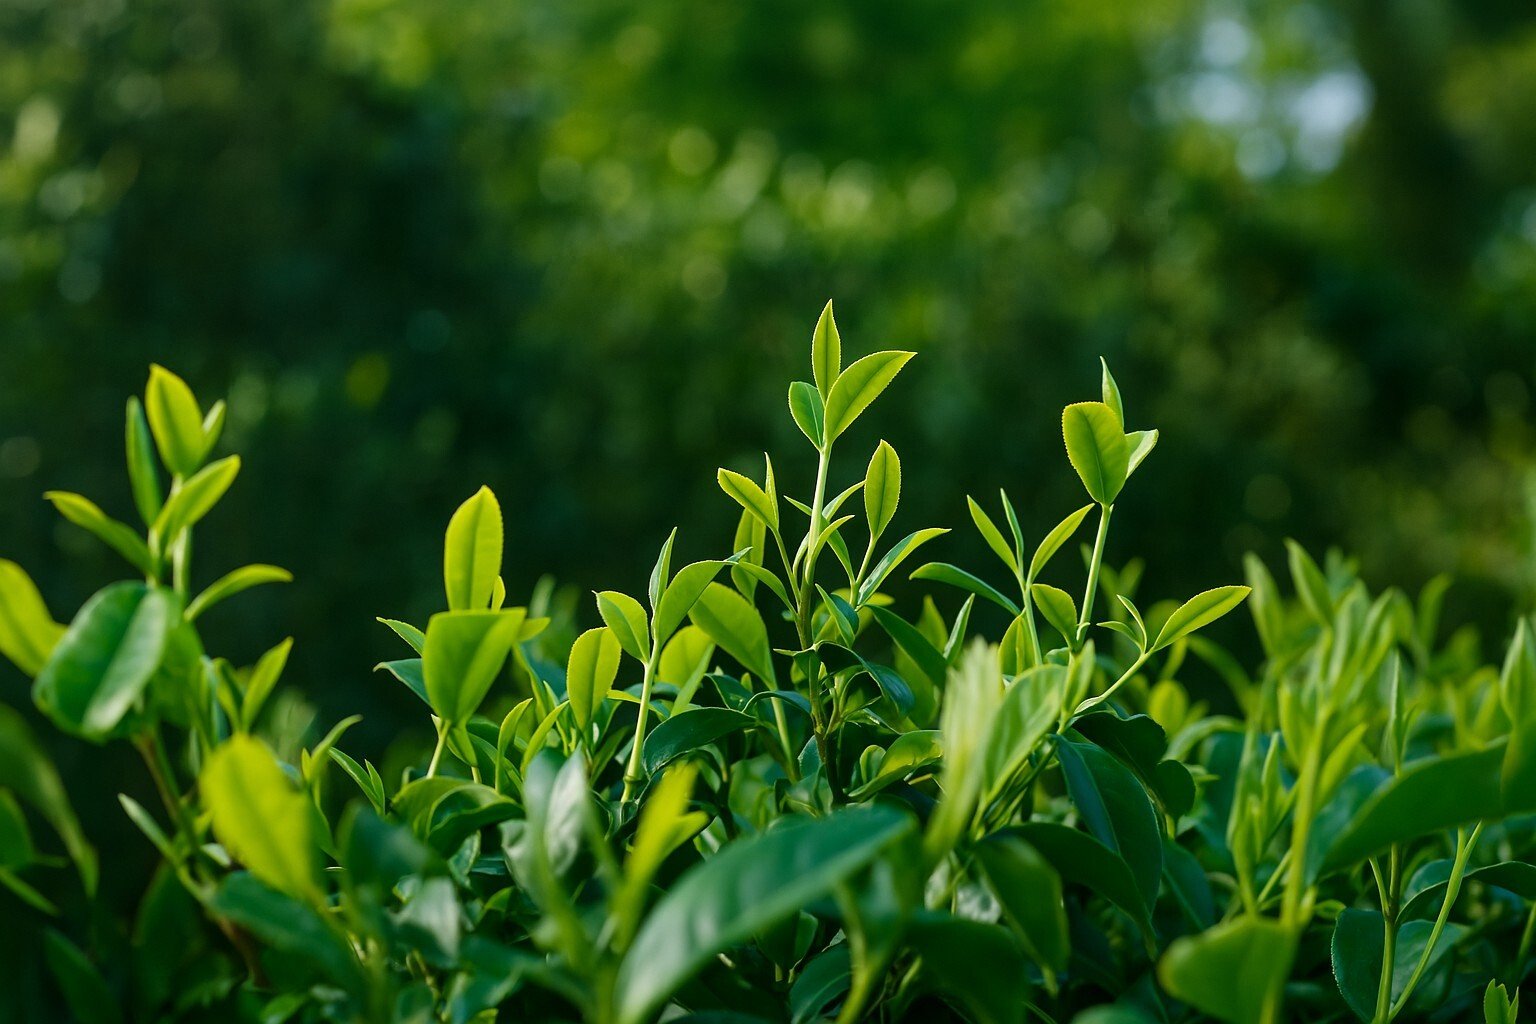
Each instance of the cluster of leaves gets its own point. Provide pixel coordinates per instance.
(762, 791)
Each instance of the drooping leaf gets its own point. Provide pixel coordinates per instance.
(740, 892)
(101, 666)
(85, 514)
(26, 771)
(472, 552)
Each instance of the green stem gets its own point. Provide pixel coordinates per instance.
(632, 775)
(437, 751)
(1027, 606)
(1093, 572)
(1093, 702)
(1464, 845)
(803, 624)
(1388, 891)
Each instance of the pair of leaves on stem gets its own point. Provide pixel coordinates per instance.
(1098, 446)
(839, 396)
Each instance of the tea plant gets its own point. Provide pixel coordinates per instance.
(774, 786)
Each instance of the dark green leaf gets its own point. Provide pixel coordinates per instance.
(99, 669)
(742, 891)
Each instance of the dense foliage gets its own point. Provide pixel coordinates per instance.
(555, 247)
(768, 790)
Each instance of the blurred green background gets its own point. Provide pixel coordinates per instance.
(575, 251)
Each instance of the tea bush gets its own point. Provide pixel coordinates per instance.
(766, 789)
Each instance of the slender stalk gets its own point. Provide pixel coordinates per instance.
(1093, 702)
(1387, 888)
(1464, 845)
(1093, 572)
(632, 774)
(437, 751)
(803, 625)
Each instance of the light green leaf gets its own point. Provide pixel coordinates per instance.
(626, 617)
(1058, 608)
(1231, 971)
(472, 552)
(84, 513)
(858, 386)
(590, 672)
(826, 351)
(1141, 443)
(1198, 612)
(745, 492)
(897, 554)
(1058, 536)
(27, 630)
(196, 498)
(882, 489)
(680, 596)
(232, 583)
(1311, 585)
(992, 535)
(1111, 391)
(175, 421)
(142, 473)
(100, 668)
(1097, 448)
(732, 622)
(943, 572)
(749, 886)
(464, 652)
(263, 680)
(407, 632)
(260, 817)
(808, 410)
